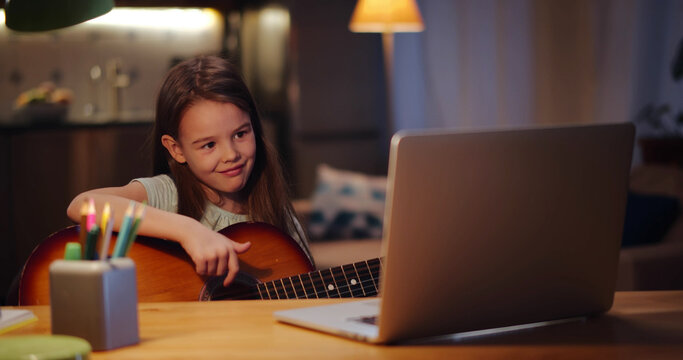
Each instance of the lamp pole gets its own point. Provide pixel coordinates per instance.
(388, 53)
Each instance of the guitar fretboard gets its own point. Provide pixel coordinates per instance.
(360, 279)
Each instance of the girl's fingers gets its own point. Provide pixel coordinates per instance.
(241, 247)
(223, 259)
(233, 268)
(201, 266)
(211, 266)
(222, 265)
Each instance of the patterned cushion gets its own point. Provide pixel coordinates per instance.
(347, 204)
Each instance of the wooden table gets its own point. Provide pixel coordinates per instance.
(640, 325)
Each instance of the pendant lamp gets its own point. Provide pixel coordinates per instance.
(43, 15)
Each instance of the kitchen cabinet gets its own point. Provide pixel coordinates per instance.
(43, 168)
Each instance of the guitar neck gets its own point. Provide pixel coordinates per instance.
(360, 279)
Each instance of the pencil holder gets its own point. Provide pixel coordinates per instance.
(95, 300)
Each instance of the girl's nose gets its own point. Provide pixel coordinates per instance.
(229, 154)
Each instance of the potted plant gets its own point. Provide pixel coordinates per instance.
(662, 126)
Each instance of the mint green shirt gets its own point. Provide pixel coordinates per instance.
(163, 194)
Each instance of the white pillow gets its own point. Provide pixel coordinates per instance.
(347, 204)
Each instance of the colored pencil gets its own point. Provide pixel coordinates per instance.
(106, 211)
(124, 230)
(139, 214)
(83, 233)
(107, 227)
(91, 242)
(72, 251)
(91, 218)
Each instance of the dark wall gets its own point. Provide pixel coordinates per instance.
(339, 108)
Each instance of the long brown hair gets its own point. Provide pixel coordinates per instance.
(216, 79)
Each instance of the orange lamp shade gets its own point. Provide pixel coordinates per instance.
(386, 16)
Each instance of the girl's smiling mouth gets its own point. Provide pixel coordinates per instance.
(234, 171)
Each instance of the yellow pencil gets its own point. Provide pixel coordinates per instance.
(106, 214)
(104, 251)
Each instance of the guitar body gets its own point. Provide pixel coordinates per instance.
(164, 270)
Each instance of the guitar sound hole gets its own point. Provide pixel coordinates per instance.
(242, 288)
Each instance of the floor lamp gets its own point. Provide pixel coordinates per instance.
(387, 17)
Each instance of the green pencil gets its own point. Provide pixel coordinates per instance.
(139, 214)
(91, 242)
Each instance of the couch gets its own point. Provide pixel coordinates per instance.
(653, 263)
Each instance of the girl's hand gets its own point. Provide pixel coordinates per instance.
(213, 253)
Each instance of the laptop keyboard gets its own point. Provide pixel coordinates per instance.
(371, 320)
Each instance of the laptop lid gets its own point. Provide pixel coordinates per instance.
(488, 229)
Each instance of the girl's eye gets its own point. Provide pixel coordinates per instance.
(241, 134)
(209, 145)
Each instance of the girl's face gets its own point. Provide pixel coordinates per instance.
(218, 143)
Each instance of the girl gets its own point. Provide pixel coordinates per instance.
(214, 168)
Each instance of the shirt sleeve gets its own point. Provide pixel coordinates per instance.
(161, 192)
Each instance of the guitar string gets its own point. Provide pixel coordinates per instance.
(279, 289)
(334, 287)
(362, 288)
(360, 276)
(349, 288)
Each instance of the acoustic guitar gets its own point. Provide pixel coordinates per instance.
(275, 267)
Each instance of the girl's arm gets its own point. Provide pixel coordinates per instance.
(212, 253)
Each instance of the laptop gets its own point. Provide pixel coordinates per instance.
(492, 229)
